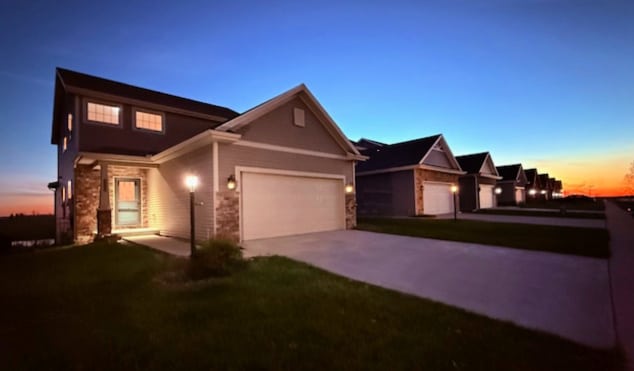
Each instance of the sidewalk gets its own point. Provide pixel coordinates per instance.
(621, 227)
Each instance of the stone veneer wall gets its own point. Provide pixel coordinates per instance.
(351, 211)
(86, 196)
(128, 172)
(423, 175)
(228, 215)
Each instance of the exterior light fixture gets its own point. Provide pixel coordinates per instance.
(543, 191)
(454, 191)
(231, 182)
(192, 183)
(532, 192)
(498, 190)
(349, 188)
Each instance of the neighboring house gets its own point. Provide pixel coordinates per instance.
(513, 185)
(477, 187)
(546, 188)
(558, 189)
(408, 178)
(533, 186)
(366, 144)
(281, 168)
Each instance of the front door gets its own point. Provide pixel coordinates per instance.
(128, 202)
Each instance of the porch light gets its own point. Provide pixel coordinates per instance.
(543, 191)
(454, 188)
(532, 192)
(498, 190)
(349, 188)
(231, 182)
(192, 182)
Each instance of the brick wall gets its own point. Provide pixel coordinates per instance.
(228, 215)
(351, 211)
(86, 198)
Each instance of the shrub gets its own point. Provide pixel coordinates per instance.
(215, 258)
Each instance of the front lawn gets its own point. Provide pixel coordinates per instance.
(593, 242)
(544, 213)
(103, 307)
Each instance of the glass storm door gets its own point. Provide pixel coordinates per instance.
(128, 202)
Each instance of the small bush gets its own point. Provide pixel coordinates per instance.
(215, 258)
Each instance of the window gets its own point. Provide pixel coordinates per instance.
(63, 195)
(70, 122)
(65, 145)
(104, 113)
(148, 121)
(70, 190)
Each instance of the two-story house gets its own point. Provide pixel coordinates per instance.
(283, 167)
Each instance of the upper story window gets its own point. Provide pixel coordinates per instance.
(103, 113)
(69, 188)
(65, 145)
(70, 122)
(145, 120)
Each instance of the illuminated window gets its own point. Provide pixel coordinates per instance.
(104, 113)
(70, 190)
(148, 121)
(63, 194)
(65, 145)
(70, 122)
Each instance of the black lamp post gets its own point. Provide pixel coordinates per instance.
(192, 182)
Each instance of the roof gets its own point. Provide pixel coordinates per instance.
(531, 174)
(72, 81)
(509, 172)
(364, 143)
(397, 154)
(472, 163)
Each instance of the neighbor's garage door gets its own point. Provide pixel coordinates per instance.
(486, 196)
(281, 205)
(519, 195)
(437, 198)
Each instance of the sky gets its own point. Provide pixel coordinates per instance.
(544, 83)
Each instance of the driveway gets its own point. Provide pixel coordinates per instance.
(545, 220)
(561, 294)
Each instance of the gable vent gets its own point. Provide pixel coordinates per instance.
(299, 117)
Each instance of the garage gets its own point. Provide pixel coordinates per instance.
(276, 205)
(519, 195)
(486, 196)
(437, 198)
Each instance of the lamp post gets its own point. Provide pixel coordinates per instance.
(192, 182)
(454, 190)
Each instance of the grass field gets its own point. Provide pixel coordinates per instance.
(552, 214)
(103, 307)
(591, 242)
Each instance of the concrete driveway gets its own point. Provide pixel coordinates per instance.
(565, 295)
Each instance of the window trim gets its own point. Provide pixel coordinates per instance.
(103, 103)
(152, 112)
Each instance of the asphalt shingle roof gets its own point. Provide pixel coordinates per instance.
(397, 154)
(472, 163)
(508, 172)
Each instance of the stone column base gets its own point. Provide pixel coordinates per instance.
(104, 222)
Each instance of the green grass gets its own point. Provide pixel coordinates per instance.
(592, 242)
(553, 214)
(103, 307)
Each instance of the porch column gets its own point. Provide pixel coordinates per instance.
(104, 213)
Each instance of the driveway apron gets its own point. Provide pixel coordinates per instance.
(561, 294)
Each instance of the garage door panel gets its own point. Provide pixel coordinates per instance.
(437, 198)
(486, 196)
(280, 205)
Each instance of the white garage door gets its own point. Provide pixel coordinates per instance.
(281, 205)
(437, 198)
(486, 196)
(519, 195)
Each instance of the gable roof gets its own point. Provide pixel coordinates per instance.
(81, 83)
(476, 162)
(531, 176)
(303, 93)
(364, 144)
(410, 153)
(510, 172)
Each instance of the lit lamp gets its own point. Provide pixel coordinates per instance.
(192, 182)
(498, 190)
(349, 188)
(231, 182)
(532, 192)
(454, 190)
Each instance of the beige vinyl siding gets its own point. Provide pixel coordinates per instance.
(168, 197)
(277, 128)
(438, 158)
(231, 156)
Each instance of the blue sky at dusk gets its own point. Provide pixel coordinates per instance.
(545, 83)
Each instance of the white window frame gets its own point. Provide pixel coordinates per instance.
(103, 103)
(143, 110)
